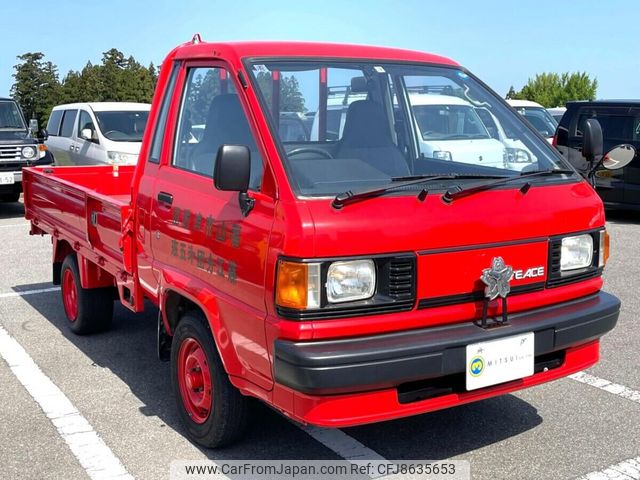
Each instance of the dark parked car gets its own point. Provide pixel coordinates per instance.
(18, 149)
(620, 122)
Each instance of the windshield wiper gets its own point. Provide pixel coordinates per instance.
(347, 197)
(449, 196)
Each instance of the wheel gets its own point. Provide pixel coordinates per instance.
(213, 411)
(10, 197)
(87, 310)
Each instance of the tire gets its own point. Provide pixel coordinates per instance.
(223, 418)
(88, 310)
(10, 197)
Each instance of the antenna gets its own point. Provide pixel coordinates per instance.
(196, 39)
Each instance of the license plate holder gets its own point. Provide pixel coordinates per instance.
(7, 178)
(498, 361)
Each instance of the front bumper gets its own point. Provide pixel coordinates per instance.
(379, 362)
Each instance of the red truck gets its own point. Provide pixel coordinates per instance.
(302, 249)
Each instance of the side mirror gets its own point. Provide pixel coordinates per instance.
(33, 126)
(619, 157)
(592, 144)
(43, 134)
(86, 134)
(232, 172)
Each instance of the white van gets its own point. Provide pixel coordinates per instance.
(452, 130)
(97, 133)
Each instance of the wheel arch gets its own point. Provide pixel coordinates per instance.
(175, 303)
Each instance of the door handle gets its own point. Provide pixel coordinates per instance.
(166, 198)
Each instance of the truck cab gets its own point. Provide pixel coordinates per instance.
(345, 277)
(18, 149)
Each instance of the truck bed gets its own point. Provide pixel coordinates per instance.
(88, 206)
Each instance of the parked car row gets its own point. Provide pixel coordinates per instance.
(19, 148)
(450, 125)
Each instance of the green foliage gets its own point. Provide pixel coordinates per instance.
(554, 90)
(38, 89)
(291, 99)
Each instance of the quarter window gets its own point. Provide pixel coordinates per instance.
(158, 134)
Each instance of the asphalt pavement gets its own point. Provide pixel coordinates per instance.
(562, 430)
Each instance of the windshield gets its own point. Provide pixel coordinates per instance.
(354, 125)
(10, 117)
(541, 120)
(125, 126)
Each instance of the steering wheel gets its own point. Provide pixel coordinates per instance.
(298, 151)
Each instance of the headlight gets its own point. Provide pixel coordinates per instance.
(352, 280)
(576, 252)
(120, 158)
(28, 152)
(442, 155)
(516, 155)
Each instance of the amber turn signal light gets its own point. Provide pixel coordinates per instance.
(292, 284)
(604, 248)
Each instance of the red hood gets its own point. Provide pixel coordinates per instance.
(403, 223)
(457, 241)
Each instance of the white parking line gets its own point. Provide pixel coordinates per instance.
(14, 225)
(626, 470)
(29, 292)
(607, 386)
(344, 445)
(93, 454)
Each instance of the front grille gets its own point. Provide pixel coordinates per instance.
(10, 152)
(401, 278)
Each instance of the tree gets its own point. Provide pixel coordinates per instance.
(36, 87)
(291, 99)
(553, 90)
(118, 78)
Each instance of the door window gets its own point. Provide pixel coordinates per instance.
(86, 123)
(615, 126)
(211, 115)
(67, 123)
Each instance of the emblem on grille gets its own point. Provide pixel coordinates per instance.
(497, 279)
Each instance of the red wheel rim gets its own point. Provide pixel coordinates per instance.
(70, 295)
(194, 380)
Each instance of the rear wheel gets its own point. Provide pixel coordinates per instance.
(213, 411)
(88, 310)
(10, 197)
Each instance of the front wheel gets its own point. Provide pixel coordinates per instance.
(213, 411)
(88, 310)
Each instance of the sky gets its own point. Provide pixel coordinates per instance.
(503, 42)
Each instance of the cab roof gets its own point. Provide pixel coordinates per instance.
(242, 50)
(523, 103)
(106, 106)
